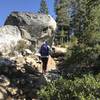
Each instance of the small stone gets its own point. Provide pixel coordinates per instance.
(4, 81)
(3, 93)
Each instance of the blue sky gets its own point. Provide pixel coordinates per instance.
(7, 6)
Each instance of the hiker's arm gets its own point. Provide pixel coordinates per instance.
(50, 49)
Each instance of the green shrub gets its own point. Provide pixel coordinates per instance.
(83, 55)
(85, 88)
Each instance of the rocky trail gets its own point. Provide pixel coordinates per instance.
(52, 70)
(21, 77)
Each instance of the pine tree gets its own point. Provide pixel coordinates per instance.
(62, 16)
(43, 7)
(76, 15)
(87, 25)
(83, 10)
(87, 22)
(62, 13)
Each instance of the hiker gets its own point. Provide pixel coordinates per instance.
(44, 52)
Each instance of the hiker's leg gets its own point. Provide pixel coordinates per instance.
(44, 65)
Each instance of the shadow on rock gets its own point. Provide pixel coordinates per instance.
(19, 83)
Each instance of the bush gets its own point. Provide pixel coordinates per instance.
(85, 88)
(83, 55)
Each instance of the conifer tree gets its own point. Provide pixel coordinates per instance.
(62, 13)
(62, 16)
(43, 7)
(87, 25)
(86, 20)
(81, 17)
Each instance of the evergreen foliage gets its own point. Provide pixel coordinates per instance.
(84, 88)
(62, 13)
(75, 16)
(85, 20)
(62, 18)
(84, 17)
(86, 51)
(43, 7)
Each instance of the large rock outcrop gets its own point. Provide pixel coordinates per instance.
(9, 36)
(40, 26)
(21, 76)
(20, 71)
(28, 26)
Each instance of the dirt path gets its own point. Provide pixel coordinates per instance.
(51, 65)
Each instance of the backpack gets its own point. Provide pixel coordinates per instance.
(44, 50)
